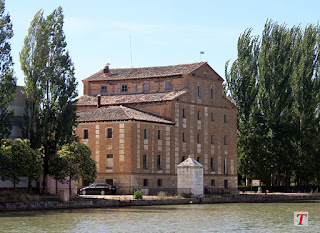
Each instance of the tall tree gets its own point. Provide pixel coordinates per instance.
(306, 86)
(7, 80)
(33, 59)
(276, 67)
(278, 120)
(242, 83)
(54, 78)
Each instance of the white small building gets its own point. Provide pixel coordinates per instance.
(190, 177)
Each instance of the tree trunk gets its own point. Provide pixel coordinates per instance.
(70, 187)
(45, 173)
(29, 186)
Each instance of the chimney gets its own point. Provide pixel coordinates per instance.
(106, 70)
(99, 101)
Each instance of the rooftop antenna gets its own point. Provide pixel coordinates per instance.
(131, 51)
(201, 53)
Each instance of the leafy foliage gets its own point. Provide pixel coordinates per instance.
(73, 161)
(7, 80)
(137, 194)
(275, 84)
(50, 87)
(18, 159)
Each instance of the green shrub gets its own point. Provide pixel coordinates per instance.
(137, 194)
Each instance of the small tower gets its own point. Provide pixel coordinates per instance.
(190, 177)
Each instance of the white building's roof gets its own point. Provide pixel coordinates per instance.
(190, 162)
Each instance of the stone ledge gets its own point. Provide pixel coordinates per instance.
(101, 203)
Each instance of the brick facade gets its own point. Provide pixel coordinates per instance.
(144, 152)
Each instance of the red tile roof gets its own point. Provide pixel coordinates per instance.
(130, 98)
(145, 72)
(118, 113)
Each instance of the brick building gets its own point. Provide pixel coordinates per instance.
(142, 122)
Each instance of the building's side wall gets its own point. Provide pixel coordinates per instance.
(217, 141)
(128, 146)
(118, 149)
(153, 166)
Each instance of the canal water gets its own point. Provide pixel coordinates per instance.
(243, 217)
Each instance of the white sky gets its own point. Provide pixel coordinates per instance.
(166, 32)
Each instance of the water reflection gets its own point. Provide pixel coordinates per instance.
(254, 217)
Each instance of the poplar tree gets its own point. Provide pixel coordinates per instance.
(7, 80)
(278, 131)
(242, 84)
(276, 68)
(33, 59)
(306, 93)
(54, 79)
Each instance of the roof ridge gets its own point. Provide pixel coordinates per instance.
(146, 72)
(143, 67)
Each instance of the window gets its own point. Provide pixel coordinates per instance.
(198, 159)
(159, 182)
(212, 93)
(183, 113)
(183, 158)
(225, 184)
(183, 137)
(109, 161)
(225, 118)
(212, 139)
(198, 91)
(199, 115)
(146, 87)
(225, 140)
(213, 182)
(85, 134)
(109, 133)
(225, 167)
(109, 181)
(168, 85)
(103, 89)
(145, 162)
(159, 134)
(159, 162)
(124, 88)
(212, 116)
(145, 134)
(145, 182)
(212, 164)
(198, 138)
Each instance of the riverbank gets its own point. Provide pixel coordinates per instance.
(125, 201)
